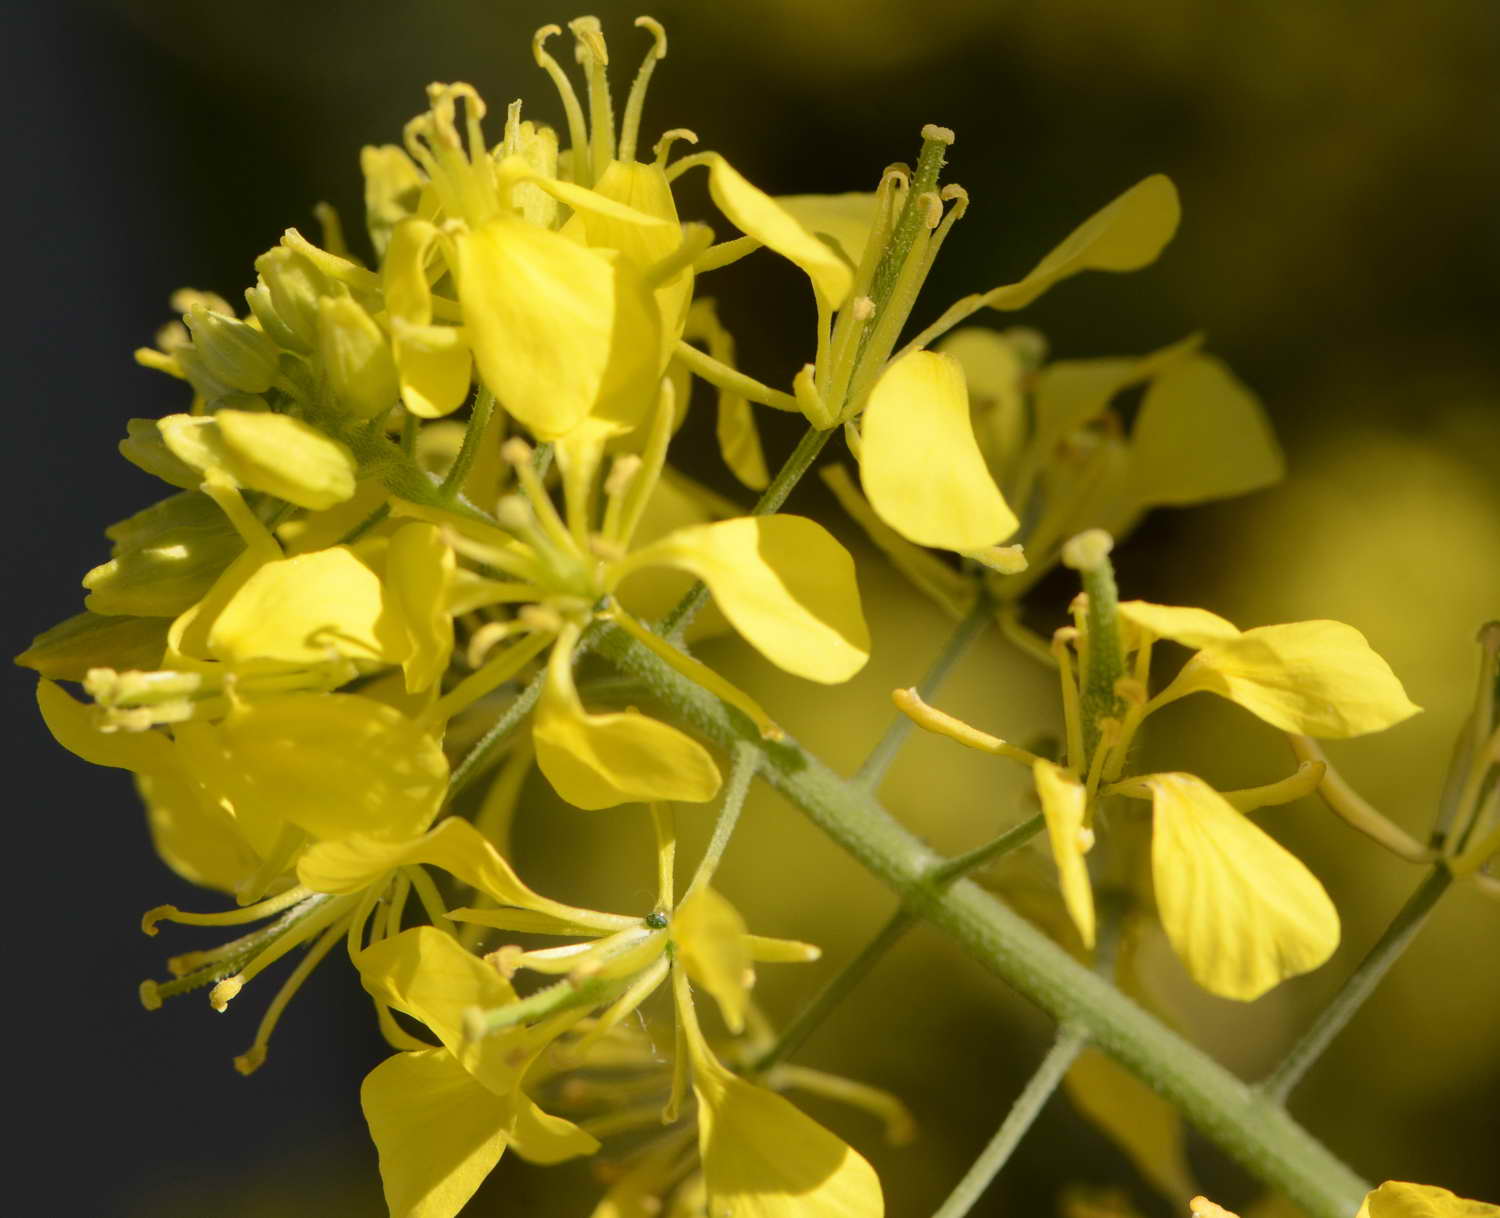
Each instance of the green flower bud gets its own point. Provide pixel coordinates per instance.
(234, 352)
(164, 559)
(357, 358)
(285, 300)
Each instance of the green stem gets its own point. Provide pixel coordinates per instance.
(1011, 839)
(1255, 1131)
(479, 421)
(682, 614)
(1070, 1042)
(873, 768)
(1360, 985)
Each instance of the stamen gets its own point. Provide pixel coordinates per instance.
(518, 454)
(484, 640)
(891, 1112)
(255, 1056)
(630, 125)
(335, 909)
(591, 52)
(1072, 713)
(664, 147)
(622, 515)
(577, 129)
(228, 917)
(930, 719)
(640, 990)
(488, 679)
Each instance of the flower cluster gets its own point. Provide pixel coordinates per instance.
(412, 493)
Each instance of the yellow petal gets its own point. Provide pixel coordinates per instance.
(1124, 236)
(197, 839)
(712, 945)
(1395, 1199)
(1241, 911)
(419, 571)
(995, 372)
(599, 761)
(439, 1133)
(286, 457)
(844, 219)
(1064, 800)
(434, 363)
(304, 610)
(1145, 1126)
(74, 726)
(332, 764)
(454, 845)
(1181, 623)
(763, 1158)
(558, 330)
(758, 215)
(544, 1139)
(920, 464)
(784, 583)
(1316, 678)
(1200, 435)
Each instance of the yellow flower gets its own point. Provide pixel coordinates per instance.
(1240, 910)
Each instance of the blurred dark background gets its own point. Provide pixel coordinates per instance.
(1341, 246)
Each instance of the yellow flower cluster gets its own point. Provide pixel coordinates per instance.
(412, 492)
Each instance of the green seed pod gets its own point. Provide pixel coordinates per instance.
(234, 352)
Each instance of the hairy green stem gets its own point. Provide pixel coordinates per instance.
(1360, 985)
(1071, 1041)
(741, 771)
(479, 421)
(1255, 1131)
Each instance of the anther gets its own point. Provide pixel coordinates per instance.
(862, 308)
(222, 994)
(506, 960)
(516, 451)
(514, 514)
(621, 473)
(150, 993)
(932, 208)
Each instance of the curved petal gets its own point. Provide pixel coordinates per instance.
(332, 764)
(1064, 800)
(196, 839)
(758, 215)
(559, 330)
(73, 725)
(1123, 236)
(307, 609)
(920, 463)
(439, 1133)
(1183, 624)
(600, 761)
(845, 220)
(1316, 678)
(784, 583)
(1395, 1199)
(1200, 434)
(713, 945)
(419, 571)
(1241, 911)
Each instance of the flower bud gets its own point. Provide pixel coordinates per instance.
(356, 357)
(234, 352)
(285, 300)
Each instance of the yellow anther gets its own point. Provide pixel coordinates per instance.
(150, 995)
(506, 960)
(621, 473)
(224, 993)
(516, 451)
(863, 308)
(1202, 1207)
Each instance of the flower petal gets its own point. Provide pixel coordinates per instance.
(559, 330)
(454, 845)
(920, 463)
(1123, 236)
(1242, 912)
(1200, 435)
(1183, 624)
(783, 582)
(419, 572)
(1395, 1199)
(844, 219)
(332, 764)
(1064, 800)
(758, 215)
(712, 945)
(763, 1158)
(307, 609)
(1316, 678)
(439, 1133)
(600, 761)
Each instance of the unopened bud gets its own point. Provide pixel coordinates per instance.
(285, 301)
(234, 352)
(356, 357)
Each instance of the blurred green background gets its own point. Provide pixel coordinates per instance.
(1340, 246)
